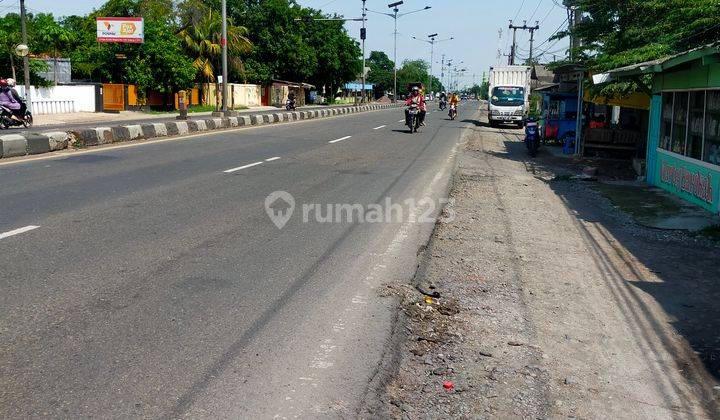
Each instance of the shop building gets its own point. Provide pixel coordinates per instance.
(683, 144)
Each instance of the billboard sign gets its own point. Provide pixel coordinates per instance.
(120, 29)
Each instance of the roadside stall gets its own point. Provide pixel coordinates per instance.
(616, 127)
(560, 115)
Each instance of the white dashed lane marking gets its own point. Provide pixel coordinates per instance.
(340, 139)
(229, 171)
(377, 128)
(18, 231)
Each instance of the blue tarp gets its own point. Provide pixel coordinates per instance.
(358, 86)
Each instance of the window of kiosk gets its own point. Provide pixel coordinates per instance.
(666, 124)
(712, 128)
(679, 125)
(696, 127)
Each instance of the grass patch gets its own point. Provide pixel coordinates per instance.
(201, 108)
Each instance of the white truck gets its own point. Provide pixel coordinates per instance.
(509, 95)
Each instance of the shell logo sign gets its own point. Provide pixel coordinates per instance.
(120, 29)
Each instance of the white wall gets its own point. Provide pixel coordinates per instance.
(61, 99)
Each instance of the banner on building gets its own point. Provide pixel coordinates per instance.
(120, 29)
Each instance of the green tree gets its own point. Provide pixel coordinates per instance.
(382, 72)
(9, 38)
(202, 34)
(50, 39)
(617, 33)
(412, 71)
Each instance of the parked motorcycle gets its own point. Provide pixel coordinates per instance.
(7, 120)
(413, 120)
(453, 112)
(532, 136)
(290, 105)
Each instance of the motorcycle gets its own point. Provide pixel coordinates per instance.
(7, 120)
(532, 137)
(453, 112)
(413, 120)
(290, 105)
(443, 104)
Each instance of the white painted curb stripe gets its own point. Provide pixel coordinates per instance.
(340, 139)
(242, 167)
(18, 231)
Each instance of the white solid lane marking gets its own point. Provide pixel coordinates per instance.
(401, 121)
(18, 231)
(272, 159)
(377, 128)
(340, 139)
(242, 167)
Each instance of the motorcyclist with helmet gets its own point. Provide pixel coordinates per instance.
(10, 99)
(417, 99)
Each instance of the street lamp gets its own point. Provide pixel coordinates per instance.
(395, 16)
(432, 43)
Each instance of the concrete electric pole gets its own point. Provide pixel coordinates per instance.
(223, 42)
(363, 35)
(26, 59)
(524, 27)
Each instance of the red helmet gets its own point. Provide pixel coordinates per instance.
(3, 83)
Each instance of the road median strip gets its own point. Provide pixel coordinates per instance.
(15, 145)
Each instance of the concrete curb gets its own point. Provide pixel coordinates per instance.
(13, 145)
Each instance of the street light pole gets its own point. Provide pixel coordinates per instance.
(432, 42)
(396, 16)
(26, 59)
(223, 42)
(432, 56)
(363, 35)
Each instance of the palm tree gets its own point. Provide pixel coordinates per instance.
(202, 36)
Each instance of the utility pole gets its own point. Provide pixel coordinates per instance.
(511, 59)
(532, 40)
(223, 42)
(363, 35)
(524, 27)
(574, 18)
(26, 59)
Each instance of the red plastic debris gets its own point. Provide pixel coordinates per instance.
(448, 385)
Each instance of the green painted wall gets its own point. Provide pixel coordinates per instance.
(697, 184)
(692, 76)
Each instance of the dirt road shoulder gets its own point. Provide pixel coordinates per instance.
(547, 304)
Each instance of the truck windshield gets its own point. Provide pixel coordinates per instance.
(508, 96)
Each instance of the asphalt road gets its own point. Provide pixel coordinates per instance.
(147, 280)
(126, 121)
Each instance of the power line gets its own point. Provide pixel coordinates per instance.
(519, 9)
